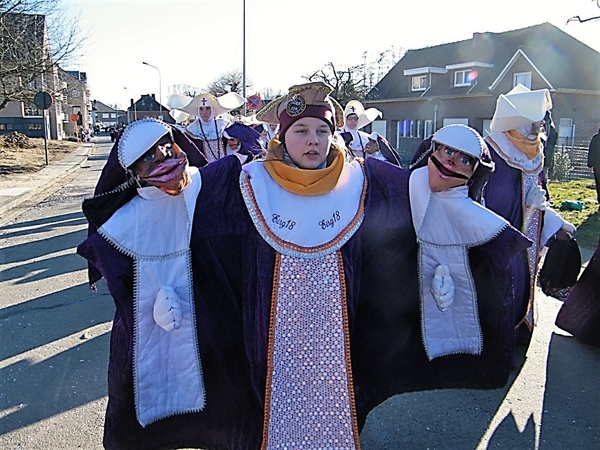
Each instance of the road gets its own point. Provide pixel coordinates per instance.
(54, 335)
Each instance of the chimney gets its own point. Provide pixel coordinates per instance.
(153, 96)
(478, 39)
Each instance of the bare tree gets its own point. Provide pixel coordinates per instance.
(356, 81)
(227, 82)
(184, 89)
(36, 36)
(580, 20)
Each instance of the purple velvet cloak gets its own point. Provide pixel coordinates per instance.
(503, 194)
(233, 274)
(580, 313)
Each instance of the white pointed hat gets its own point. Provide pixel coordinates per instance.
(365, 116)
(220, 105)
(520, 107)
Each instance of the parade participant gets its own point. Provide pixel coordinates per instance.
(593, 161)
(320, 256)
(355, 118)
(242, 141)
(272, 130)
(206, 130)
(580, 312)
(454, 258)
(517, 188)
(379, 148)
(162, 354)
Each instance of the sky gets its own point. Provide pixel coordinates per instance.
(194, 42)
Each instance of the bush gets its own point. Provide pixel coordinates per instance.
(562, 166)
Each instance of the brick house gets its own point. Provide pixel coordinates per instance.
(106, 116)
(76, 100)
(459, 82)
(24, 53)
(147, 106)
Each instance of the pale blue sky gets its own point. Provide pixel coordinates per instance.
(194, 41)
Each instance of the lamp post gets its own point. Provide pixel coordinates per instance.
(134, 108)
(244, 54)
(159, 86)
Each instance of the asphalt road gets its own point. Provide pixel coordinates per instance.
(54, 335)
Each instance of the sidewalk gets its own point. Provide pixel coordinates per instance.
(23, 186)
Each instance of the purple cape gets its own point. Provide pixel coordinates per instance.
(580, 313)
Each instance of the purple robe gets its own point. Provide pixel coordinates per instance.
(580, 313)
(503, 186)
(233, 270)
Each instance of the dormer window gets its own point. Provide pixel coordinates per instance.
(462, 78)
(419, 83)
(523, 78)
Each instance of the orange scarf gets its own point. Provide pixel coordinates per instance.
(531, 148)
(304, 181)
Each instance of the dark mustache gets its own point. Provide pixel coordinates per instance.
(444, 170)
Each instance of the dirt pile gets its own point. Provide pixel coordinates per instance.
(22, 154)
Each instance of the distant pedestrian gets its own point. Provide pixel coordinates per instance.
(594, 161)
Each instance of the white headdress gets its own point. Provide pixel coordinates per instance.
(520, 107)
(365, 116)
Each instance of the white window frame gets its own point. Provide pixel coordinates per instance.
(427, 128)
(419, 83)
(522, 77)
(461, 78)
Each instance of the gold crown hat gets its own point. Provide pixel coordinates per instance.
(294, 103)
(365, 116)
(139, 137)
(220, 105)
(520, 107)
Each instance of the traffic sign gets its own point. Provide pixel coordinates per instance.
(42, 100)
(74, 117)
(254, 102)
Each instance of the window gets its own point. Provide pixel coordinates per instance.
(75, 94)
(523, 78)
(32, 110)
(105, 115)
(428, 128)
(34, 126)
(462, 78)
(113, 115)
(419, 83)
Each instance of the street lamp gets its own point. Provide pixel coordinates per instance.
(244, 53)
(134, 108)
(159, 85)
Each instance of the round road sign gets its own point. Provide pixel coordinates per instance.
(42, 100)
(254, 102)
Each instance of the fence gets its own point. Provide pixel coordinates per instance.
(578, 158)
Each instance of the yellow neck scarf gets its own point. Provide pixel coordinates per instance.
(531, 148)
(304, 181)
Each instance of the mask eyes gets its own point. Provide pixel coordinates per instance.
(148, 156)
(464, 159)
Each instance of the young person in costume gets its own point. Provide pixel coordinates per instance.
(206, 128)
(355, 118)
(242, 141)
(517, 189)
(379, 148)
(465, 250)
